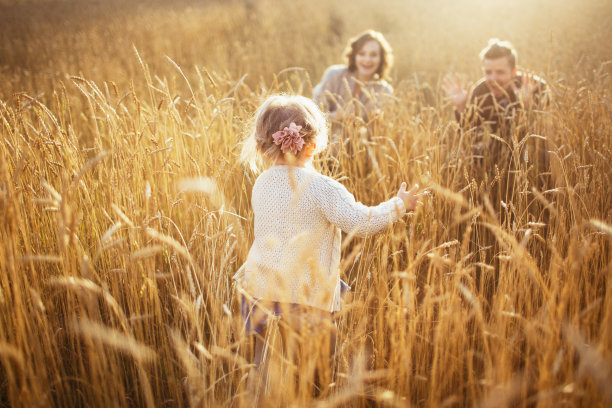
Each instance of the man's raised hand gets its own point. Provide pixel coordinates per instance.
(455, 90)
(528, 87)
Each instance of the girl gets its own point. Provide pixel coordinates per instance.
(359, 87)
(292, 269)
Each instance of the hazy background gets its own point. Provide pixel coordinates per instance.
(45, 41)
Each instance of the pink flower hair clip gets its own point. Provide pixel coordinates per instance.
(289, 139)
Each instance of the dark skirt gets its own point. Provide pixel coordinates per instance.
(256, 318)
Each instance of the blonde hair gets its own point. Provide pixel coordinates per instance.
(356, 44)
(274, 114)
(498, 49)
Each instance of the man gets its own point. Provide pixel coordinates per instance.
(499, 111)
(497, 99)
(496, 115)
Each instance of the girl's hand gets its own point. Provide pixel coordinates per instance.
(410, 198)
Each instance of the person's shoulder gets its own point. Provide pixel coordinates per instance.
(313, 177)
(336, 71)
(310, 182)
(310, 174)
(384, 86)
(326, 185)
(480, 87)
(332, 76)
(263, 178)
(272, 173)
(541, 82)
(285, 170)
(276, 177)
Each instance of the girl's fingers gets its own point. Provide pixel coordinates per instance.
(402, 190)
(413, 189)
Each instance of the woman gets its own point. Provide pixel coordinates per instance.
(358, 88)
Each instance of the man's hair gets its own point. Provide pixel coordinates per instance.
(498, 49)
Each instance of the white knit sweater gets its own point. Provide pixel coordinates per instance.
(299, 213)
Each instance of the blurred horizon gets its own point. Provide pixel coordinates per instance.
(50, 40)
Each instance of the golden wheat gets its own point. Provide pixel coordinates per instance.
(124, 211)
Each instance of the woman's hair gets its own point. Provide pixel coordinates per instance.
(275, 114)
(386, 53)
(497, 49)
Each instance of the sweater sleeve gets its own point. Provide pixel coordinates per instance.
(340, 208)
(317, 91)
(322, 91)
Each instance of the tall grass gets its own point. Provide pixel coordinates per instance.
(116, 265)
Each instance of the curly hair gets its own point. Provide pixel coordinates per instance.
(386, 53)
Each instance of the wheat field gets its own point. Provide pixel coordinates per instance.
(124, 210)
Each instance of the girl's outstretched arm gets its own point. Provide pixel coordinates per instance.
(341, 209)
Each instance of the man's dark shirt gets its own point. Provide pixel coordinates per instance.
(506, 118)
(497, 113)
